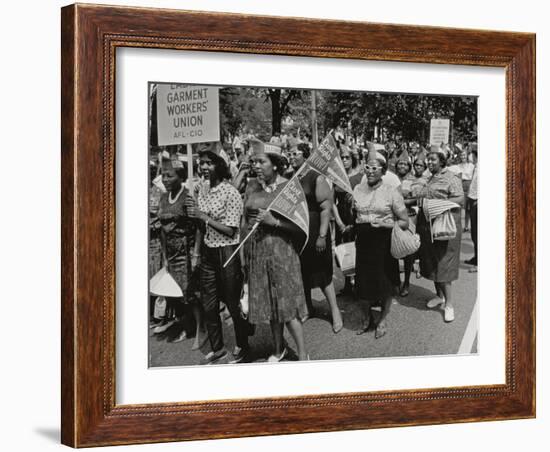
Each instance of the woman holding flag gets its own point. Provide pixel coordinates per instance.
(316, 259)
(270, 256)
(439, 259)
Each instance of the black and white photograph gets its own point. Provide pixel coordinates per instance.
(288, 224)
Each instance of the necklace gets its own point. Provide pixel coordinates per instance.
(271, 187)
(172, 201)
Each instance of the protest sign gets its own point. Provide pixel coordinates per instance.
(326, 161)
(439, 131)
(291, 203)
(187, 114)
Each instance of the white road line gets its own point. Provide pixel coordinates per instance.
(471, 332)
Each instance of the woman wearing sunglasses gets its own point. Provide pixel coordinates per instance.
(378, 207)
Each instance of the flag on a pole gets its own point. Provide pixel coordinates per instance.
(326, 161)
(291, 203)
(434, 207)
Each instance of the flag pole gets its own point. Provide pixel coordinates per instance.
(300, 170)
(314, 119)
(190, 168)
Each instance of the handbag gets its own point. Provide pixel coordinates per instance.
(403, 243)
(444, 227)
(159, 311)
(345, 258)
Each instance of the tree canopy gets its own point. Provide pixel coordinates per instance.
(364, 115)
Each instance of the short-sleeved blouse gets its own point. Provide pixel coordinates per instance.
(443, 185)
(375, 203)
(222, 203)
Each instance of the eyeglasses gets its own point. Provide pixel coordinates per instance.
(372, 168)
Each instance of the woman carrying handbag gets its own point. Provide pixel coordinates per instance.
(439, 259)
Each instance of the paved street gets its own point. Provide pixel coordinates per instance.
(413, 330)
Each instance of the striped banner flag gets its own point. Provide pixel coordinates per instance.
(434, 207)
(326, 161)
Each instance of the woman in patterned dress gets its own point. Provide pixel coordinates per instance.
(378, 207)
(411, 185)
(439, 260)
(270, 257)
(177, 237)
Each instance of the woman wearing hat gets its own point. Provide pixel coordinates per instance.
(403, 167)
(379, 206)
(411, 186)
(316, 259)
(178, 237)
(464, 169)
(219, 210)
(342, 208)
(439, 260)
(270, 256)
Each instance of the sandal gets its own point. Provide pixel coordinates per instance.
(338, 327)
(363, 330)
(179, 338)
(404, 291)
(380, 331)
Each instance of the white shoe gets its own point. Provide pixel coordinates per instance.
(449, 314)
(435, 302)
(275, 358)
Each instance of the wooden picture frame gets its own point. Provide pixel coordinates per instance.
(90, 36)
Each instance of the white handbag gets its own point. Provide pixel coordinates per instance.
(345, 258)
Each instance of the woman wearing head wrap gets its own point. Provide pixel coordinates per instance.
(178, 230)
(270, 256)
(439, 260)
(219, 210)
(379, 207)
(316, 259)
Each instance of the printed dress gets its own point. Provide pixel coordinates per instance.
(275, 291)
(178, 231)
(439, 260)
